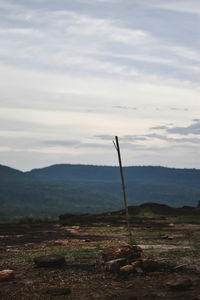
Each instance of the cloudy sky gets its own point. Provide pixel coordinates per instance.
(76, 73)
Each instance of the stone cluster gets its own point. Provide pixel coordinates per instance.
(128, 259)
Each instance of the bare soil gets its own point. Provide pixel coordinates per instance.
(82, 241)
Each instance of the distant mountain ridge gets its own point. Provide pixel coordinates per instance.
(10, 173)
(66, 188)
(136, 173)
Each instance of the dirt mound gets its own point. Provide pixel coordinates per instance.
(163, 209)
(159, 210)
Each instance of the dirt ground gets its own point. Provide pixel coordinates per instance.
(82, 241)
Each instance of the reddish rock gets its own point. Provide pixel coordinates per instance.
(125, 270)
(136, 263)
(51, 260)
(180, 284)
(6, 275)
(127, 252)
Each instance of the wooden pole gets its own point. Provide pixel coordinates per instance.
(117, 147)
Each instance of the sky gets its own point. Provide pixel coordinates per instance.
(73, 74)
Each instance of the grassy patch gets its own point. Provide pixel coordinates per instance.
(190, 219)
(77, 253)
(183, 219)
(175, 253)
(80, 253)
(192, 252)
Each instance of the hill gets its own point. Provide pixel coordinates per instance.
(151, 174)
(58, 189)
(24, 195)
(175, 187)
(7, 173)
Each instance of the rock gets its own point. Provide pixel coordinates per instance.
(149, 265)
(180, 284)
(125, 270)
(137, 266)
(115, 265)
(51, 260)
(136, 263)
(127, 252)
(6, 275)
(58, 291)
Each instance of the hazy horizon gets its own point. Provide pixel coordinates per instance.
(96, 165)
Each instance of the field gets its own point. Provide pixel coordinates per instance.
(173, 240)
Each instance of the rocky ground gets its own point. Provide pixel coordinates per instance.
(167, 268)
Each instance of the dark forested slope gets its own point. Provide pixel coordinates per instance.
(175, 187)
(68, 188)
(158, 175)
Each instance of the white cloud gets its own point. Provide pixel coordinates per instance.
(192, 6)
